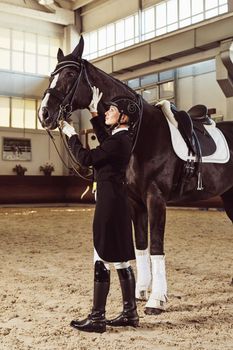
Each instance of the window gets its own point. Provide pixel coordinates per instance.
(129, 28)
(17, 61)
(148, 23)
(209, 4)
(30, 43)
(43, 55)
(120, 34)
(166, 90)
(29, 114)
(114, 36)
(159, 19)
(161, 14)
(166, 75)
(4, 111)
(149, 79)
(172, 12)
(5, 59)
(134, 83)
(19, 113)
(110, 38)
(151, 94)
(155, 87)
(5, 38)
(184, 9)
(197, 7)
(17, 41)
(27, 52)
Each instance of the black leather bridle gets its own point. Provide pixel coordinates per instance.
(65, 110)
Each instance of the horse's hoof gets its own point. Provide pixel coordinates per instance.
(153, 311)
(141, 295)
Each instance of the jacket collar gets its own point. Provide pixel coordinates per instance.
(118, 130)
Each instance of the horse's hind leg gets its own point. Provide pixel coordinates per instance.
(227, 198)
(157, 215)
(140, 221)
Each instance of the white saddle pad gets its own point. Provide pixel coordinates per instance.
(221, 155)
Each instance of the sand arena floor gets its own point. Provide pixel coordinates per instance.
(46, 278)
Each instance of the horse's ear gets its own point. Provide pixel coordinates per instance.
(78, 51)
(60, 55)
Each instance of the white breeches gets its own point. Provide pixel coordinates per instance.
(117, 265)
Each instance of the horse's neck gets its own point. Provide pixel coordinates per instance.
(110, 86)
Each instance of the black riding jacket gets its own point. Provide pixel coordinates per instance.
(112, 226)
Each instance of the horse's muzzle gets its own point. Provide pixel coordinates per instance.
(47, 121)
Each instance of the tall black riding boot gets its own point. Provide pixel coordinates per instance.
(129, 315)
(96, 322)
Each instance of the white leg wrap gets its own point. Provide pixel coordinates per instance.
(143, 274)
(158, 295)
(121, 265)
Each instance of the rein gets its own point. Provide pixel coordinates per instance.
(137, 125)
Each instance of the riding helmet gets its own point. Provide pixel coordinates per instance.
(127, 106)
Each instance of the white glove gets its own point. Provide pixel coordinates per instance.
(67, 129)
(95, 99)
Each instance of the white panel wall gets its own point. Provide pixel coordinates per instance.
(185, 93)
(208, 92)
(42, 151)
(201, 89)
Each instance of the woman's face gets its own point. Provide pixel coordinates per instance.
(112, 116)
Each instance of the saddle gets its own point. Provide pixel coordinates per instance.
(191, 125)
(199, 142)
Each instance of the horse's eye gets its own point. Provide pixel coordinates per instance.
(70, 74)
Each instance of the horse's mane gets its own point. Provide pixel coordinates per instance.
(115, 80)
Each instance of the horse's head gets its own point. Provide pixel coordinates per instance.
(61, 97)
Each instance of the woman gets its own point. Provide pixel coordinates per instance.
(112, 227)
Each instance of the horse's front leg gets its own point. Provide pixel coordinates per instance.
(156, 207)
(143, 265)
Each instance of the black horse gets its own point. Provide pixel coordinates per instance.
(154, 172)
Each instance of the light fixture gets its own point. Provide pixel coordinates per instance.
(46, 2)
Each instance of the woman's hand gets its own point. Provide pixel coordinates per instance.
(67, 129)
(96, 97)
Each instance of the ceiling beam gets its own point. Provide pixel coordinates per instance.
(59, 16)
(80, 3)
